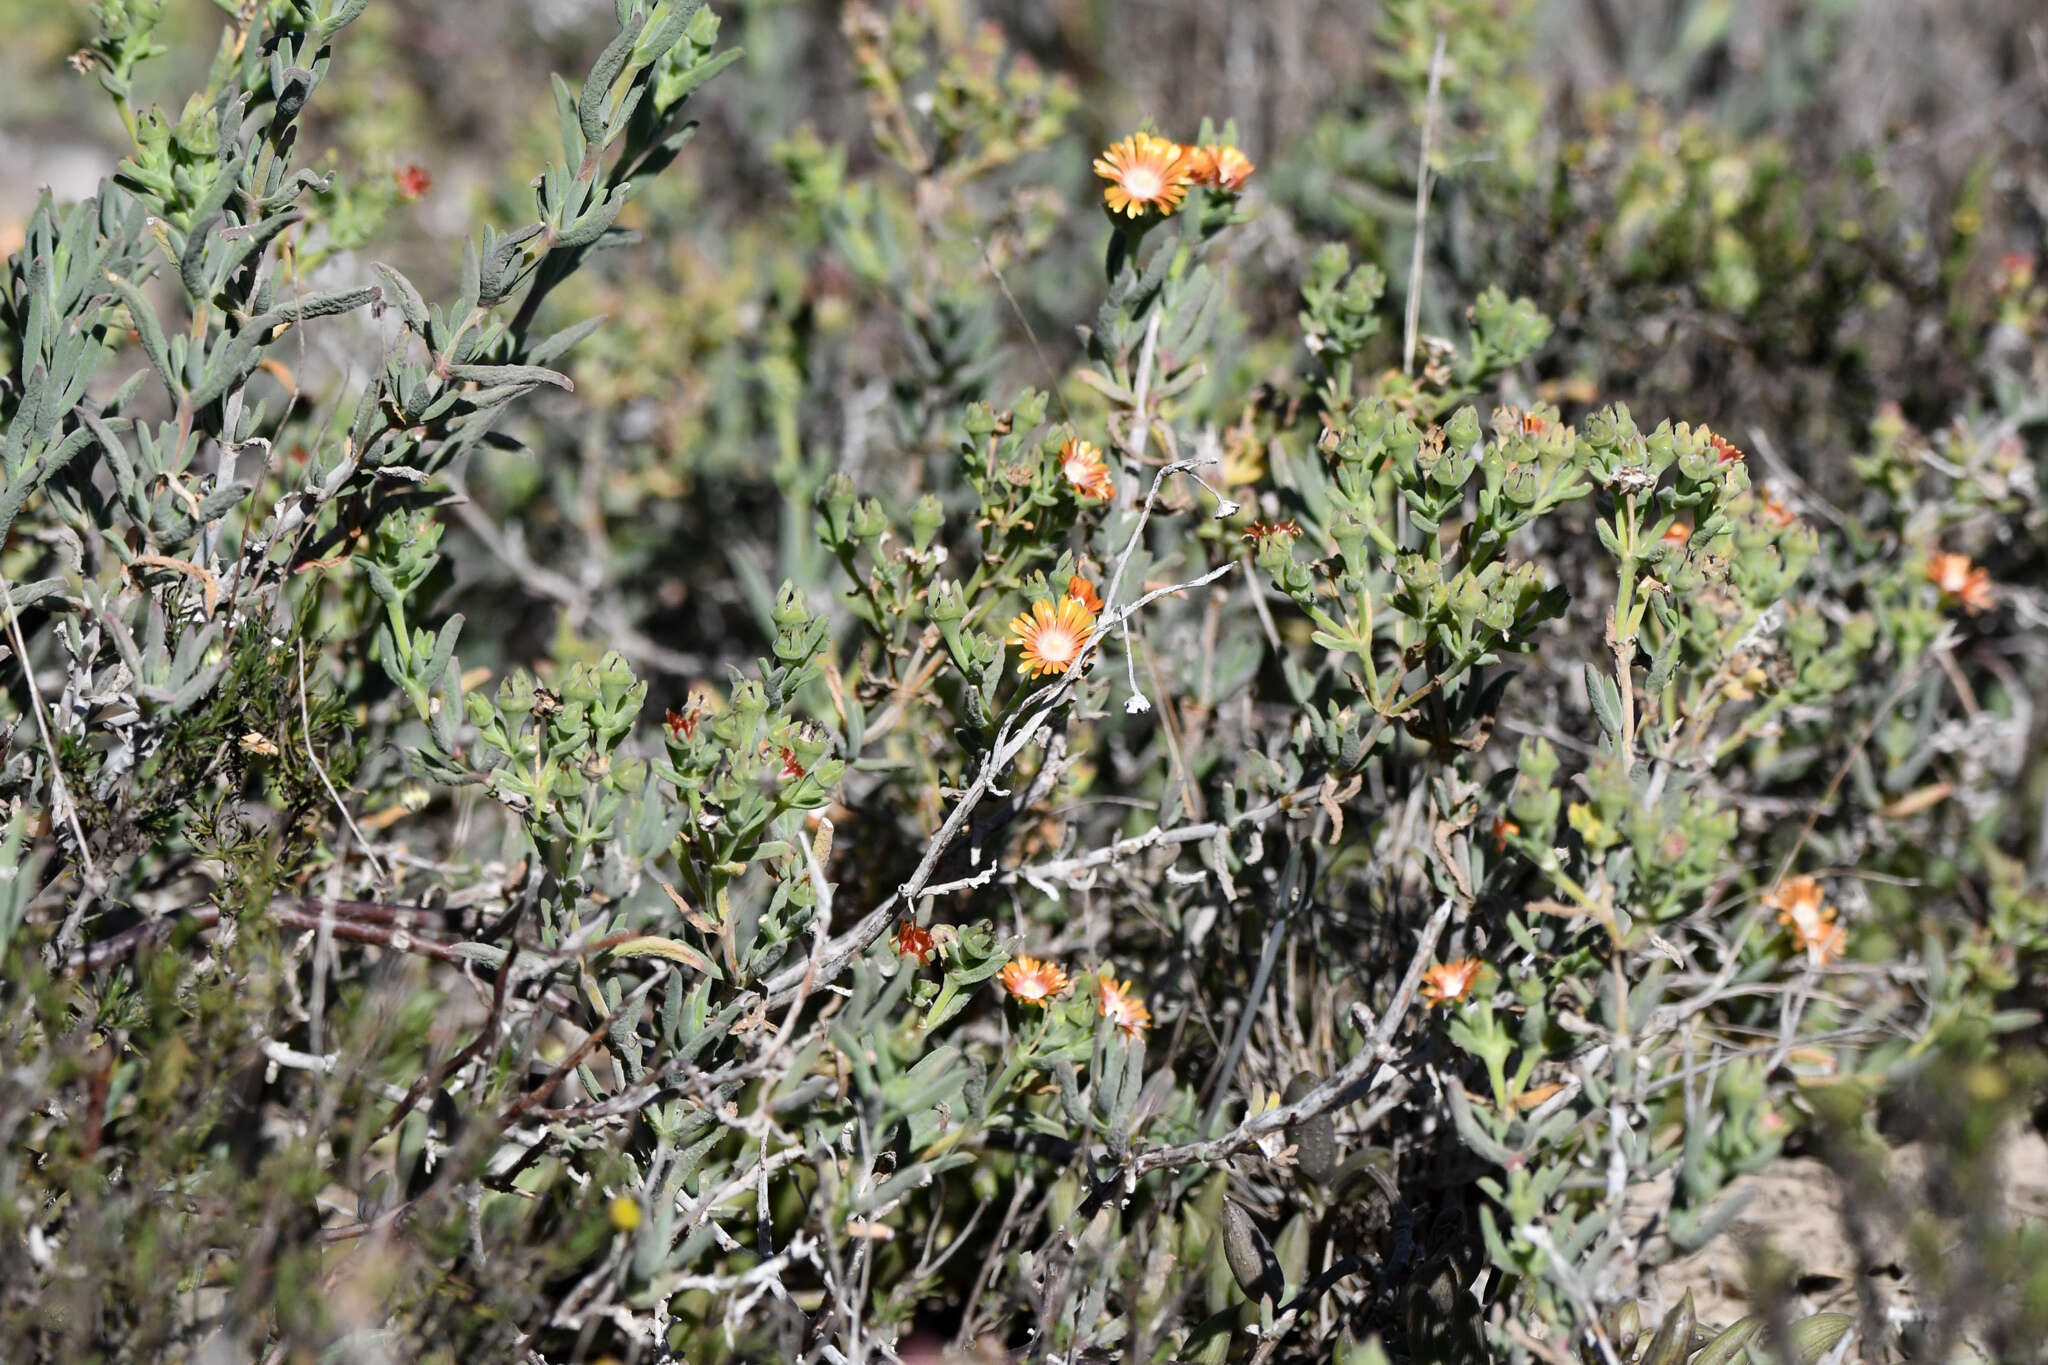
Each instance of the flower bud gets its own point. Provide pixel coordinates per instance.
(1251, 1258)
(925, 520)
(835, 504)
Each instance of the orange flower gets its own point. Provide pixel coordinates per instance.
(1504, 829)
(1448, 982)
(1120, 1007)
(1777, 512)
(1803, 909)
(1677, 533)
(413, 182)
(1534, 424)
(1051, 636)
(1233, 168)
(1082, 463)
(791, 770)
(1959, 581)
(912, 941)
(1144, 172)
(1724, 450)
(1082, 591)
(1219, 165)
(1033, 982)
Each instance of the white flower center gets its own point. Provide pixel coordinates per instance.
(1057, 645)
(1143, 182)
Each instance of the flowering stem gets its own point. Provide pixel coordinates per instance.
(1621, 629)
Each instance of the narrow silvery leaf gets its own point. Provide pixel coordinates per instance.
(411, 306)
(605, 70)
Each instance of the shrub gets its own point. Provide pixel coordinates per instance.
(1266, 830)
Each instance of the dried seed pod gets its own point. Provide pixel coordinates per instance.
(1674, 1337)
(1314, 1139)
(1250, 1255)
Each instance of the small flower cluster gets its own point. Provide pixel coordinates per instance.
(1148, 173)
(1259, 532)
(1035, 982)
(1803, 910)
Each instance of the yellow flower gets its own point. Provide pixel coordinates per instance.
(1220, 166)
(625, 1214)
(1033, 982)
(1083, 466)
(1120, 1007)
(1959, 581)
(1144, 172)
(1051, 636)
(1803, 909)
(1448, 982)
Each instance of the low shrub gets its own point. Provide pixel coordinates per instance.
(1266, 833)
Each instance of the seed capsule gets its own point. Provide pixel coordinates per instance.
(1250, 1255)
(1314, 1139)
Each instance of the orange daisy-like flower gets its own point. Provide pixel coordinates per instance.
(1724, 449)
(413, 182)
(1144, 172)
(1802, 908)
(1051, 636)
(1534, 424)
(1033, 982)
(1677, 533)
(1959, 581)
(1449, 982)
(1082, 463)
(1219, 165)
(1777, 512)
(1123, 1009)
(912, 941)
(1082, 591)
(1504, 829)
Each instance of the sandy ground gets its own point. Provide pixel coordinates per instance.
(1795, 1206)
